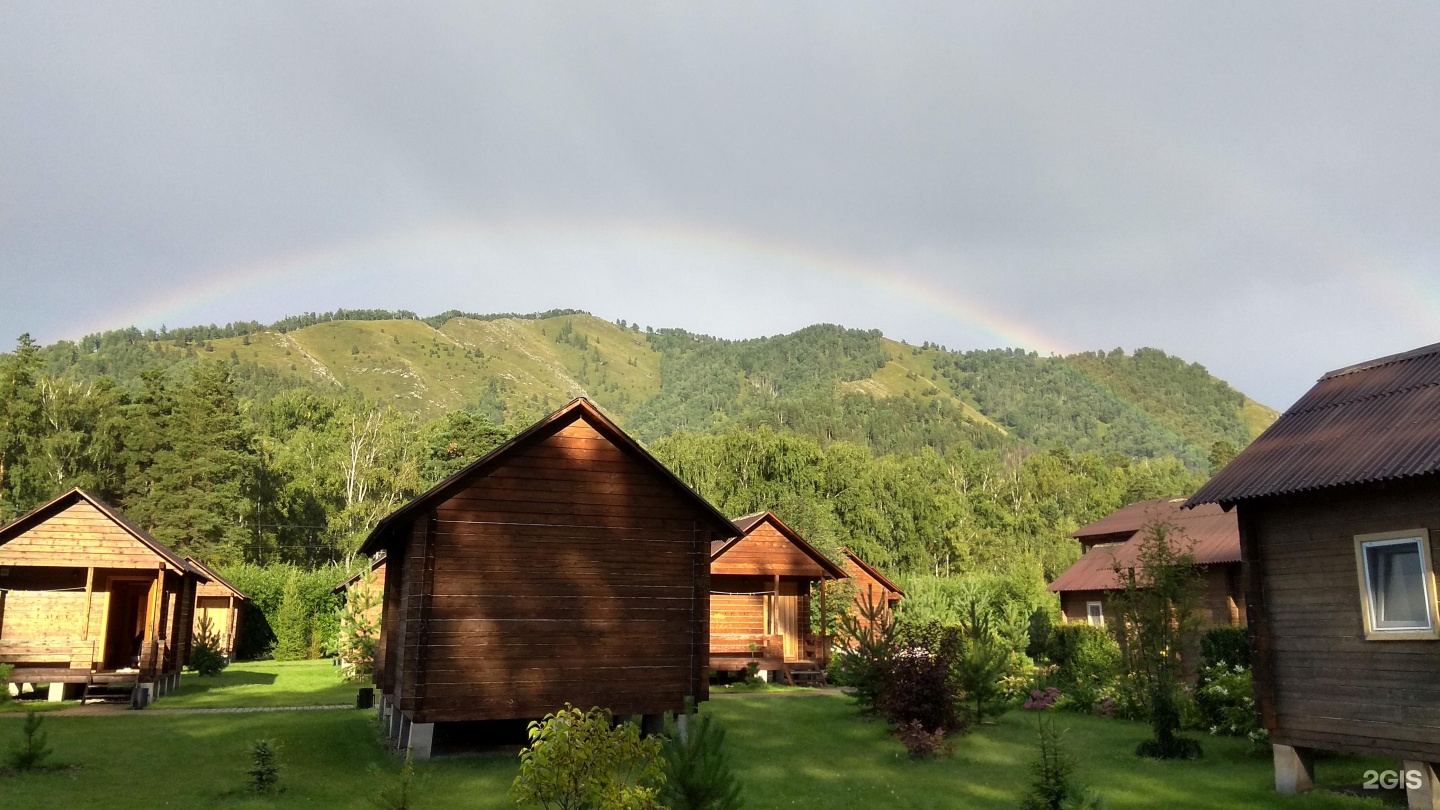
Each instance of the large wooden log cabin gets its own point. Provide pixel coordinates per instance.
(1338, 506)
(568, 565)
(1113, 543)
(760, 585)
(89, 601)
(222, 605)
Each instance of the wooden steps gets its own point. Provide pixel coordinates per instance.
(804, 673)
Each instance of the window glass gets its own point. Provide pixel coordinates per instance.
(1396, 576)
(1096, 613)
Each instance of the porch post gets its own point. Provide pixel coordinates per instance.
(824, 628)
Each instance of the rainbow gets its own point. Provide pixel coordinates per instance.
(462, 243)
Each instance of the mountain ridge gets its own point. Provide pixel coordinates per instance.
(827, 381)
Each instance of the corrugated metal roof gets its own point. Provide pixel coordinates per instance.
(1207, 533)
(1376, 421)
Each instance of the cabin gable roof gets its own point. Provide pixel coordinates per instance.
(872, 572)
(578, 409)
(1367, 423)
(18, 527)
(354, 578)
(748, 525)
(1207, 533)
(207, 573)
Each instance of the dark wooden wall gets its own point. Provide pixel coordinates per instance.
(573, 572)
(1319, 683)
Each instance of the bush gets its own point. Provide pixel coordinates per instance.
(579, 759)
(32, 751)
(1040, 700)
(981, 665)
(205, 656)
(920, 684)
(697, 767)
(264, 770)
(1165, 722)
(5, 670)
(1225, 647)
(1052, 785)
(1225, 700)
(922, 744)
(1082, 651)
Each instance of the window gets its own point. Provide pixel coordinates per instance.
(1095, 613)
(1397, 585)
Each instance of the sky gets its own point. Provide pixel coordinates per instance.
(1251, 186)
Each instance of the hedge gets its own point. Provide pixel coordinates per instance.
(292, 614)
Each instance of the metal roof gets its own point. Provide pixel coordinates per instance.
(1207, 533)
(1371, 422)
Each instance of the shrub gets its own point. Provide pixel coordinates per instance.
(32, 751)
(205, 656)
(1225, 647)
(982, 663)
(870, 639)
(396, 795)
(920, 684)
(360, 629)
(1052, 785)
(1165, 723)
(578, 759)
(697, 767)
(264, 770)
(1225, 700)
(922, 744)
(292, 624)
(5, 670)
(1039, 700)
(1082, 651)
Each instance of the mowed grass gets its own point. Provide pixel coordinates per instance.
(263, 683)
(790, 752)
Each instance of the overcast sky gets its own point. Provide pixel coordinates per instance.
(1253, 186)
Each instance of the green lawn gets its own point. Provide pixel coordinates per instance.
(795, 752)
(263, 683)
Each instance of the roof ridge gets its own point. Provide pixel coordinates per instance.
(1389, 392)
(1367, 365)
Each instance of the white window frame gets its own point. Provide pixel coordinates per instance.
(1421, 539)
(1090, 617)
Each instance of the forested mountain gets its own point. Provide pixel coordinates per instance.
(288, 441)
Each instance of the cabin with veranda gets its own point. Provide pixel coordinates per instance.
(91, 602)
(760, 592)
(566, 566)
(1338, 506)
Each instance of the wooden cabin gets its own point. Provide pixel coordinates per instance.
(567, 565)
(356, 585)
(1113, 543)
(760, 586)
(221, 604)
(1338, 507)
(89, 601)
(871, 586)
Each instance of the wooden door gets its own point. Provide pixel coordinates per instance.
(788, 610)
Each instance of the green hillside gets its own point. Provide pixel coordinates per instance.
(826, 382)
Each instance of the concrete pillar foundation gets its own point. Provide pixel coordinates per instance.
(421, 740)
(1294, 769)
(1422, 787)
(57, 692)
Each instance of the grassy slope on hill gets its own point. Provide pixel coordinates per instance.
(824, 381)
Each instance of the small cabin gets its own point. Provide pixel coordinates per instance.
(220, 605)
(1338, 507)
(566, 566)
(872, 588)
(761, 583)
(1112, 545)
(366, 583)
(90, 602)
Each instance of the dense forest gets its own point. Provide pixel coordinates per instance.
(286, 442)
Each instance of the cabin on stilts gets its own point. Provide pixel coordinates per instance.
(872, 588)
(90, 603)
(567, 565)
(221, 605)
(760, 591)
(1338, 506)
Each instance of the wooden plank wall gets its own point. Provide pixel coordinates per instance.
(766, 552)
(571, 573)
(79, 536)
(1319, 681)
